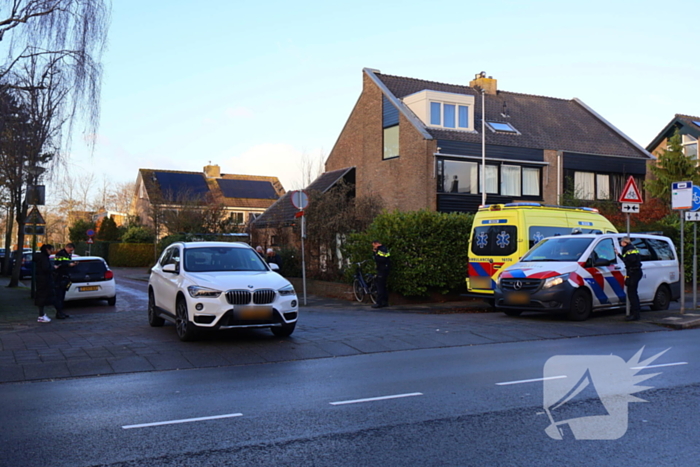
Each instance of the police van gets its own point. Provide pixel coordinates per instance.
(502, 233)
(577, 274)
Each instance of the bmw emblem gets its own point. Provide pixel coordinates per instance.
(251, 286)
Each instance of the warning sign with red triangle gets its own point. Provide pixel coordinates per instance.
(631, 194)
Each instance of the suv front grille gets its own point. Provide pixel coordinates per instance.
(263, 296)
(243, 297)
(238, 297)
(520, 284)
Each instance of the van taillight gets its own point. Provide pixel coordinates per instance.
(109, 275)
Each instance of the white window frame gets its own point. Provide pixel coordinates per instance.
(420, 104)
(688, 141)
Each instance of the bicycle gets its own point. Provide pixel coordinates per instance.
(363, 284)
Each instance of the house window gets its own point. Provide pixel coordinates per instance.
(505, 180)
(236, 217)
(449, 115)
(491, 174)
(602, 186)
(391, 142)
(690, 146)
(584, 185)
(510, 180)
(502, 127)
(531, 181)
(460, 177)
(591, 186)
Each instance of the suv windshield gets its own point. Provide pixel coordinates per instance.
(558, 249)
(212, 259)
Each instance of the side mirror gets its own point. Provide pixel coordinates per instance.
(602, 262)
(171, 268)
(274, 267)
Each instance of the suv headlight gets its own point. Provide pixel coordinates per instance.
(284, 291)
(196, 291)
(554, 281)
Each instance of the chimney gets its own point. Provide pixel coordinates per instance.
(489, 84)
(212, 171)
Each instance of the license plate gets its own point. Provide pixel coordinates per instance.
(90, 288)
(517, 298)
(483, 282)
(253, 312)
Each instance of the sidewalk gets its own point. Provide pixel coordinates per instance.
(116, 340)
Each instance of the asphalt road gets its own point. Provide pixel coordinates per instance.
(454, 405)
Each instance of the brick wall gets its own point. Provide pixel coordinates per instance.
(405, 183)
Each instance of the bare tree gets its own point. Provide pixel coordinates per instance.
(53, 71)
(311, 167)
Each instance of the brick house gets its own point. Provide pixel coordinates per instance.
(688, 128)
(242, 197)
(418, 144)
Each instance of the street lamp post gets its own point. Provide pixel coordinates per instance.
(483, 147)
(36, 172)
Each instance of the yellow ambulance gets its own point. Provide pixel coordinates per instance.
(502, 233)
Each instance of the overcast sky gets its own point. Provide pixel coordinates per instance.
(254, 86)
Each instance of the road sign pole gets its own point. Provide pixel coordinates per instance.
(627, 296)
(695, 265)
(682, 264)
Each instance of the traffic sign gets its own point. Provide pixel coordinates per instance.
(681, 195)
(630, 207)
(692, 216)
(35, 217)
(696, 198)
(90, 233)
(299, 199)
(631, 194)
(90, 241)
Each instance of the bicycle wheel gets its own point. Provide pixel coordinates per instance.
(372, 286)
(358, 290)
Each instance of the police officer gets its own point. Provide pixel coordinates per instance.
(381, 258)
(63, 261)
(633, 264)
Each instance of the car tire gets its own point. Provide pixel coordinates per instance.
(512, 312)
(580, 308)
(153, 319)
(285, 330)
(662, 299)
(184, 327)
(358, 290)
(112, 301)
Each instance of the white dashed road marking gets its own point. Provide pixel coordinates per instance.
(530, 380)
(372, 399)
(185, 420)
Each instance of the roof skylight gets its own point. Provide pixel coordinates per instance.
(503, 127)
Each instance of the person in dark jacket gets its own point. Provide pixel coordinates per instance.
(63, 261)
(273, 257)
(381, 258)
(633, 264)
(43, 273)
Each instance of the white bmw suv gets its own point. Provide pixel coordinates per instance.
(219, 285)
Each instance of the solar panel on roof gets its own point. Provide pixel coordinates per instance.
(696, 122)
(176, 186)
(258, 189)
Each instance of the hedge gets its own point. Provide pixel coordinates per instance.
(117, 254)
(429, 250)
(131, 255)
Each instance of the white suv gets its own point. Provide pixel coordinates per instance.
(577, 274)
(219, 285)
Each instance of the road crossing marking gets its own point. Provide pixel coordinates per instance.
(372, 399)
(530, 380)
(185, 420)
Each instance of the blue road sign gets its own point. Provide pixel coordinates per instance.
(696, 198)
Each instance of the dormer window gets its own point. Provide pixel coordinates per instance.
(443, 109)
(502, 127)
